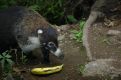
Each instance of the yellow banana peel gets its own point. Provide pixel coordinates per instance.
(47, 70)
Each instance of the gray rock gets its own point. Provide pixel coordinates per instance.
(103, 67)
(61, 37)
(64, 27)
(113, 32)
(72, 36)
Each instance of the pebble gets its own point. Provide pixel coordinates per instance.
(61, 37)
(113, 32)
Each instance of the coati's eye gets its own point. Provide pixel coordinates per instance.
(51, 46)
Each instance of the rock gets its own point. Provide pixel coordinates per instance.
(58, 30)
(72, 36)
(114, 40)
(64, 27)
(61, 37)
(103, 67)
(113, 33)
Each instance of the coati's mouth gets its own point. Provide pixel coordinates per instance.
(58, 53)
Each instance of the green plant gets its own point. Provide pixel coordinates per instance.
(53, 10)
(6, 61)
(82, 67)
(71, 18)
(6, 3)
(23, 58)
(79, 33)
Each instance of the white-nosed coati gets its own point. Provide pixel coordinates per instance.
(28, 30)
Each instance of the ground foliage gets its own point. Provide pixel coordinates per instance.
(55, 11)
(51, 9)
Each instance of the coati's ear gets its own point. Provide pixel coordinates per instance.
(40, 31)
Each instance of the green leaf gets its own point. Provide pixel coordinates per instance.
(8, 56)
(1, 56)
(3, 6)
(2, 63)
(82, 67)
(82, 24)
(74, 31)
(34, 7)
(25, 61)
(9, 61)
(60, 3)
(12, 2)
(4, 53)
(78, 34)
(71, 18)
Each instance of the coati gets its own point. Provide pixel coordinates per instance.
(28, 30)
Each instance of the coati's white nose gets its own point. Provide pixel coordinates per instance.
(59, 53)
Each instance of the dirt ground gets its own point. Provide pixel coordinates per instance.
(75, 56)
(102, 45)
